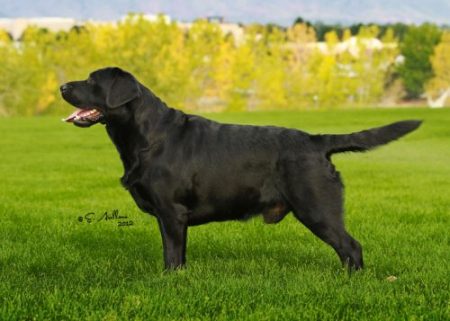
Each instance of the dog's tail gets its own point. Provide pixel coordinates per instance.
(366, 139)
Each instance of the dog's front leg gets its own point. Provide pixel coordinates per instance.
(173, 230)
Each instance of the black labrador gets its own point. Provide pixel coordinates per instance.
(187, 170)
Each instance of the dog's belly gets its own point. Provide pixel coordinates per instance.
(243, 204)
(208, 212)
(272, 213)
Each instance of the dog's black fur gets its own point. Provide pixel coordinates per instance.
(187, 170)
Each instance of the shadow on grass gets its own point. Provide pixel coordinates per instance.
(136, 254)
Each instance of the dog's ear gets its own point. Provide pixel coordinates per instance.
(124, 88)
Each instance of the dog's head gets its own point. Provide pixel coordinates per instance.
(101, 97)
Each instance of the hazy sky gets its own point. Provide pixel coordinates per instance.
(281, 11)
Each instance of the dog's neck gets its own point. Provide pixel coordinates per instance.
(145, 131)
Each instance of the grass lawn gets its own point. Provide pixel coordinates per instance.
(54, 267)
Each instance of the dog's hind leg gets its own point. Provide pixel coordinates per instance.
(317, 202)
(348, 249)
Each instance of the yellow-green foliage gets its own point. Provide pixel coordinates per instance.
(441, 66)
(196, 69)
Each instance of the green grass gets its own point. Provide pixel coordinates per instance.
(52, 267)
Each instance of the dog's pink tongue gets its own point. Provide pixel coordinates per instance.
(79, 113)
(72, 116)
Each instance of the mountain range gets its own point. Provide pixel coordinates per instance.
(282, 12)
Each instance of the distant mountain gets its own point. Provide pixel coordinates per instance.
(282, 12)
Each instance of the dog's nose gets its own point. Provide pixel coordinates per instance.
(64, 87)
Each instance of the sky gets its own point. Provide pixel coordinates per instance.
(281, 12)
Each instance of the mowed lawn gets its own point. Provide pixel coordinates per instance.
(54, 267)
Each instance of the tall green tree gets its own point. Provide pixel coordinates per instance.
(417, 48)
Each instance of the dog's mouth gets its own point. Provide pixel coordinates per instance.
(84, 117)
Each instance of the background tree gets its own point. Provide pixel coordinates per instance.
(299, 49)
(270, 71)
(242, 88)
(441, 67)
(417, 48)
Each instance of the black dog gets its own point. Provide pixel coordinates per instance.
(187, 170)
